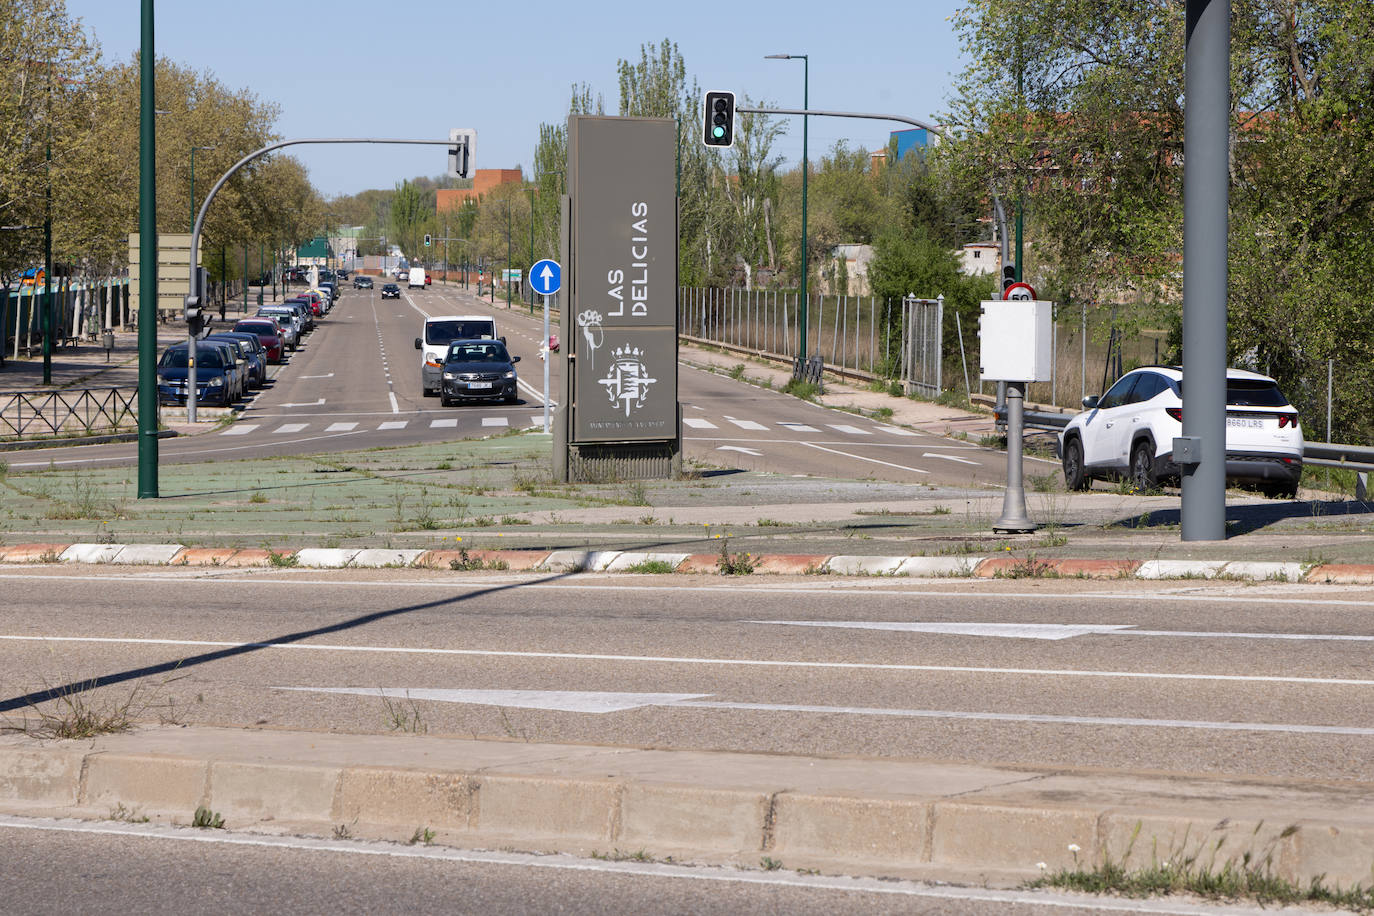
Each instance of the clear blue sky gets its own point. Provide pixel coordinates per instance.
(415, 68)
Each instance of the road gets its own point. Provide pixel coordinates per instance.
(355, 384)
(1196, 677)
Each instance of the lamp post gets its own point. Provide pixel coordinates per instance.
(806, 82)
(530, 192)
(147, 276)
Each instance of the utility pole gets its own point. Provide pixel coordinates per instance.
(147, 258)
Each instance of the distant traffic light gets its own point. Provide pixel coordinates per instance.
(427, 239)
(719, 113)
(1008, 276)
(462, 155)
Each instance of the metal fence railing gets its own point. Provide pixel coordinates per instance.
(40, 414)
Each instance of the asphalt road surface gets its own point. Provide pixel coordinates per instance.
(355, 383)
(1198, 677)
(64, 867)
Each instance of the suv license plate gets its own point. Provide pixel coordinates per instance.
(479, 384)
(1245, 422)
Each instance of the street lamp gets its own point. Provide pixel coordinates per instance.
(193, 184)
(806, 79)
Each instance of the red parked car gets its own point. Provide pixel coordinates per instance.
(268, 334)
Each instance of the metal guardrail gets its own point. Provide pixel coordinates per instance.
(1322, 454)
(35, 414)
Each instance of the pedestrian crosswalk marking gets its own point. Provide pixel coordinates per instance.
(851, 430)
(450, 423)
(897, 431)
(799, 427)
(746, 424)
(394, 424)
(240, 429)
(495, 421)
(699, 424)
(290, 427)
(340, 427)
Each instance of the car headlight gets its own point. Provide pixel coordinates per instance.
(216, 382)
(449, 376)
(509, 374)
(162, 380)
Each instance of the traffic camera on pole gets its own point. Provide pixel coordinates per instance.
(719, 113)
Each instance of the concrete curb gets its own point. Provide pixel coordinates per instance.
(878, 816)
(561, 561)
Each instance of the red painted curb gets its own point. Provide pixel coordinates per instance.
(256, 556)
(1342, 574)
(204, 556)
(791, 564)
(1095, 569)
(31, 553)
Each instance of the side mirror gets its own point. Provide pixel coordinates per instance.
(1090, 402)
(502, 338)
(515, 359)
(418, 345)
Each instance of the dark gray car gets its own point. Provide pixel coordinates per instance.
(478, 370)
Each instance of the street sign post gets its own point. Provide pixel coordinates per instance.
(546, 278)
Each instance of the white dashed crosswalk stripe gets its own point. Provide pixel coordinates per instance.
(799, 427)
(898, 431)
(290, 427)
(947, 457)
(849, 430)
(450, 423)
(240, 429)
(699, 424)
(746, 424)
(394, 424)
(495, 421)
(340, 427)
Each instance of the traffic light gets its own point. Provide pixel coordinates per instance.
(427, 239)
(463, 153)
(1008, 276)
(719, 113)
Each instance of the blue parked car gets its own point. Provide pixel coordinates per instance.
(215, 375)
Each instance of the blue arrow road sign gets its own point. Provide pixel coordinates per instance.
(546, 277)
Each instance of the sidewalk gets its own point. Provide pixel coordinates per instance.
(975, 824)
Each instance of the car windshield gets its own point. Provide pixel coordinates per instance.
(176, 359)
(257, 327)
(1247, 392)
(441, 332)
(492, 352)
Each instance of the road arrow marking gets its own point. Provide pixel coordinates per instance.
(598, 703)
(311, 404)
(739, 448)
(326, 375)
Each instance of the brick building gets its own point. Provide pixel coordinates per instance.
(483, 181)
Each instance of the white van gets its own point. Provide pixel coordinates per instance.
(438, 332)
(417, 277)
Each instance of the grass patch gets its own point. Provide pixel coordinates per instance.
(282, 560)
(737, 371)
(78, 712)
(652, 567)
(807, 391)
(404, 717)
(738, 564)
(206, 819)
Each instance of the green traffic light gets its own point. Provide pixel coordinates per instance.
(718, 131)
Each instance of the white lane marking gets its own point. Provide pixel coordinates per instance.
(393, 424)
(395, 408)
(799, 427)
(1052, 630)
(308, 404)
(240, 429)
(1004, 630)
(897, 430)
(656, 870)
(599, 703)
(739, 448)
(835, 451)
(688, 660)
(947, 457)
(850, 430)
(747, 424)
(495, 421)
(450, 423)
(290, 427)
(698, 423)
(340, 427)
(326, 375)
(538, 420)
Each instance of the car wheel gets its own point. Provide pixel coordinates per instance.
(1074, 478)
(1143, 467)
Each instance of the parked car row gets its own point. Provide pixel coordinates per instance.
(231, 363)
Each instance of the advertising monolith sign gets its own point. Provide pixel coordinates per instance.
(620, 316)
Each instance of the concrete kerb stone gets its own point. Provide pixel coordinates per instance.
(203, 556)
(939, 567)
(1180, 569)
(148, 554)
(33, 553)
(326, 557)
(276, 791)
(850, 565)
(579, 560)
(373, 557)
(790, 564)
(157, 786)
(1342, 574)
(40, 775)
(624, 561)
(1285, 572)
(90, 553)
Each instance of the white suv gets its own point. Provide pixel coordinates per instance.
(1129, 432)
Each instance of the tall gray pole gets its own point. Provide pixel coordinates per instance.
(147, 262)
(1207, 120)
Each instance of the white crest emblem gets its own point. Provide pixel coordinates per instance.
(628, 381)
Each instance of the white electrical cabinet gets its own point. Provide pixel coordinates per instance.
(1015, 342)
